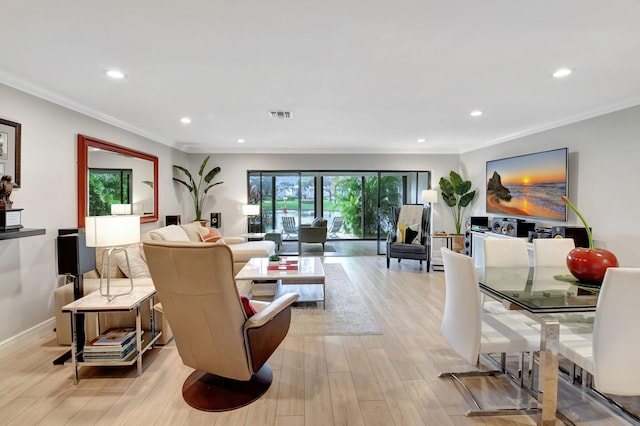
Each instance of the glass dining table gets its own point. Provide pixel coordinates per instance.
(539, 293)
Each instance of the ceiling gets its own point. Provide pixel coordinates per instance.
(358, 76)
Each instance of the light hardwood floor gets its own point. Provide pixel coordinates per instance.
(387, 379)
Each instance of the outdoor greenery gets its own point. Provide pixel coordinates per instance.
(198, 193)
(351, 194)
(108, 187)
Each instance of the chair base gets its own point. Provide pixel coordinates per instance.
(478, 411)
(208, 392)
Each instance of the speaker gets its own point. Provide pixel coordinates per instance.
(74, 257)
(215, 220)
(473, 223)
(578, 233)
(172, 220)
(511, 227)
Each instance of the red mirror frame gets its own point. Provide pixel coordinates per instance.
(84, 142)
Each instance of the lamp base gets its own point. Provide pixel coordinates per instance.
(108, 254)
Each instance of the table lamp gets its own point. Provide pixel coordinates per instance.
(120, 209)
(112, 233)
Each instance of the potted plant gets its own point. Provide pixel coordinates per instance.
(195, 188)
(457, 195)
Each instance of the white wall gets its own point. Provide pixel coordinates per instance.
(28, 268)
(603, 176)
(228, 197)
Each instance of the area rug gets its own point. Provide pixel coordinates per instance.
(345, 313)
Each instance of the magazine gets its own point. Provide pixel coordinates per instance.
(114, 337)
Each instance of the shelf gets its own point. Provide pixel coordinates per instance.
(148, 339)
(21, 233)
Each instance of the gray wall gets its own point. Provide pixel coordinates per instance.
(28, 269)
(603, 175)
(228, 198)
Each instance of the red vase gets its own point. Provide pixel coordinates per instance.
(589, 265)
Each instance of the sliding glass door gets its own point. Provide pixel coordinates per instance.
(356, 204)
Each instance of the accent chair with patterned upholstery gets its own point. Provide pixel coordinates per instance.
(410, 239)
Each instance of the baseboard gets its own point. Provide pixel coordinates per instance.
(27, 337)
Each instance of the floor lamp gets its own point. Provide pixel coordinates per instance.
(112, 233)
(430, 196)
(250, 210)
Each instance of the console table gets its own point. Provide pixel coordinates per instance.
(94, 302)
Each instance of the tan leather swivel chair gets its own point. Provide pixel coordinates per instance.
(229, 351)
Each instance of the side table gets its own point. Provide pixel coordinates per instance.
(94, 302)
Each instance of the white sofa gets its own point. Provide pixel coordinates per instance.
(242, 252)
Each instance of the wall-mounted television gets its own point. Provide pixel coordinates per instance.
(529, 186)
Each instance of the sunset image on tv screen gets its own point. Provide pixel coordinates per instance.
(528, 185)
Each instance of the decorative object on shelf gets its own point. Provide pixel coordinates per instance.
(10, 141)
(457, 195)
(195, 189)
(589, 264)
(6, 187)
(10, 219)
(112, 232)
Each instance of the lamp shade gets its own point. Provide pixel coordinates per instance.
(430, 195)
(111, 231)
(250, 209)
(120, 208)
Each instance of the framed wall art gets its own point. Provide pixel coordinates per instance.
(10, 139)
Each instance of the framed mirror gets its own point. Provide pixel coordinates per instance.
(113, 179)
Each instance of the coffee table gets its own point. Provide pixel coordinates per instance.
(307, 279)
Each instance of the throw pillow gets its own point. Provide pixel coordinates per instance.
(139, 268)
(210, 235)
(249, 309)
(317, 221)
(193, 230)
(170, 233)
(408, 234)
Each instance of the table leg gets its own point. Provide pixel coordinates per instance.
(548, 373)
(139, 340)
(74, 347)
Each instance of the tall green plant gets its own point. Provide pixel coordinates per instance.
(457, 194)
(195, 188)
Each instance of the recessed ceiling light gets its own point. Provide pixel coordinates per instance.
(116, 74)
(562, 72)
(185, 120)
(476, 113)
(241, 141)
(422, 140)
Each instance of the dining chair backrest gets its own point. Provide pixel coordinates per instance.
(616, 335)
(462, 319)
(505, 252)
(552, 251)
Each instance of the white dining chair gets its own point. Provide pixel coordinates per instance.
(612, 352)
(471, 332)
(507, 253)
(552, 252)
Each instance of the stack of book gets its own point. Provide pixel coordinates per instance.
(115, 344)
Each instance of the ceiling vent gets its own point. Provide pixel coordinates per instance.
(280, 115)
